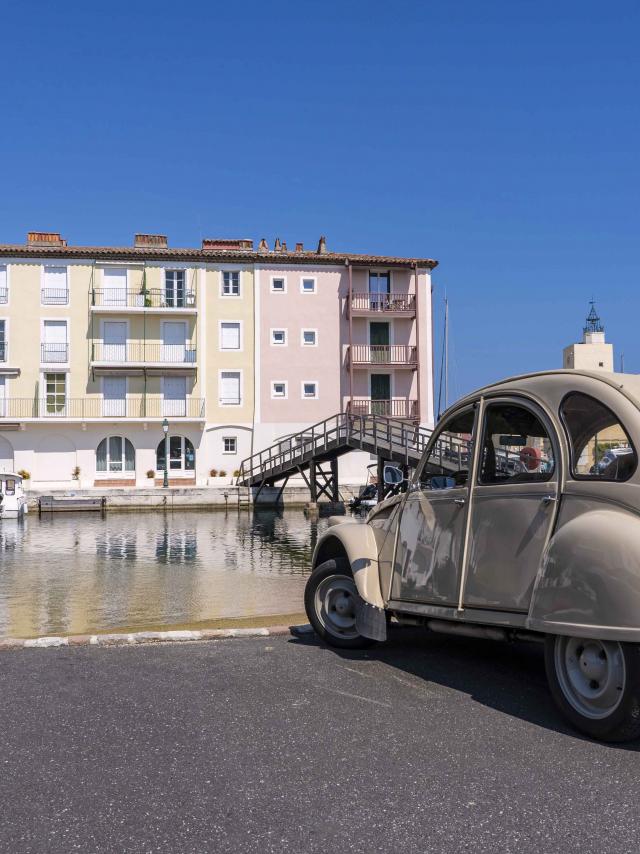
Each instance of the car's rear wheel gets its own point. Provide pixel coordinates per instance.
(596, 684)
(330, 600)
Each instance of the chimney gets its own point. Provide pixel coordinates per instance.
(262, 247)
(284, 247)
(322, 246)
(299, 247)
(276, 246)
(226, 243)
(45, 238)
(150, 241)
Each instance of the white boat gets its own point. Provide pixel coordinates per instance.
(13, 501)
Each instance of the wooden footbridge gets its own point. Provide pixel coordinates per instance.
(313, 453)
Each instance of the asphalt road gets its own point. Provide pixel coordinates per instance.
(425, 744)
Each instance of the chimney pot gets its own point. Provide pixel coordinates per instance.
(150, 241)
(284, 246)
(45, 238)
(276, 246)
(299, 247)
(322, 246)
(262, 246)
(226, 243)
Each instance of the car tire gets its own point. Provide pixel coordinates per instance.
(330, 599)
(596, 685)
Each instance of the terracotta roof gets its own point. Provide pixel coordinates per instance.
(199, 255)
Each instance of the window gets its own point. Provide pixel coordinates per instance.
(3, 340)
(56, 393)
(115, 454)
(55, 288)
(278, 285)
(231, 283)
(308, 286)
(182, 456)
(600, 446)
(309, 337)
(278, 337)
(114, 397)
(4, 283)
(278, 389)
(54, 346)
(230, 388)
(114, 284)
(174, 289)
(310, 389)
(174, 396)
(229, 335)
(229, 445)
(515, 446)
(448, 461)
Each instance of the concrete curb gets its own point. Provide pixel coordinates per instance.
(136, 638)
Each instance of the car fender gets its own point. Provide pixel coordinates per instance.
(589, 579)
(358, 543)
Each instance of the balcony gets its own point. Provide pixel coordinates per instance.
(88, 408)
(51, 354)
(114, 300)
(142, 354)
(4, 296)
(54, 296)
(4, 351)
(399, 408)
(388, 304)
(399, 355)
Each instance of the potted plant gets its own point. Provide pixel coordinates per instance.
(24, 474)
(75, 474)
(151, 474)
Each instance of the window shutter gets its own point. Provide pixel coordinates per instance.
(230, 336)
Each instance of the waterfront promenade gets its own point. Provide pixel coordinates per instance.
(278, 744)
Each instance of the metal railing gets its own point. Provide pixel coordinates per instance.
(399, 408)
(139, 352)
(52, 353)
(4, 295)
(381, 301)
(149, 298)
(54, 296)
(136, 406)
(4, 351)
(383, 354)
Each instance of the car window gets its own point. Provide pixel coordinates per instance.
(515, 446)
(600, 446)
(447, 463)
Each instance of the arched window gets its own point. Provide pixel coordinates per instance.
(114, 454)
(182, 456)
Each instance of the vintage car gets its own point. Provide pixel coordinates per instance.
(510, 529)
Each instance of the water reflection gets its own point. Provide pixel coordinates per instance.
(86, 573)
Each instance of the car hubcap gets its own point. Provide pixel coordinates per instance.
(591, 674)
(335, 604)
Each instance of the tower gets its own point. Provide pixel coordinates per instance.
(593, 354)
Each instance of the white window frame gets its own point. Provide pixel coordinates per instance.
(238, 371)
(238, 349)
(307, 396)
(231, 296)
(43, 394)
(275, 396)
(233, 439)
(313, 279)
(43, 322)
(303, 343)
(5, 320)
(64, 267)
(125, 474)
(283, 343)
(7, 268)
(283, 279)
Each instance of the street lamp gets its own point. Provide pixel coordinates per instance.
(165, 479)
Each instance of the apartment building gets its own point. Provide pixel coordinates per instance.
(232, 347)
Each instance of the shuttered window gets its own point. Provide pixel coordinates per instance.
(229, 336)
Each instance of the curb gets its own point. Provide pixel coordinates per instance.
(137, 638)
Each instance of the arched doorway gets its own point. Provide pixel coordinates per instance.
(116, 455)
(182, 456)
(6, 455)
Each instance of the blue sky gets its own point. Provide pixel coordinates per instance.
(501, 138)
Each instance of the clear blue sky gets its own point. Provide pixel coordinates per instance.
(501, 138)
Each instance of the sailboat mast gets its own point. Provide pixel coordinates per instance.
(446, 353)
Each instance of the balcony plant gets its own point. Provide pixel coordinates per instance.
(75, 474)
(151, 474)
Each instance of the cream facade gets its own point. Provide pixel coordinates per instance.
(233, 347)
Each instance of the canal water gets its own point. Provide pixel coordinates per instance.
(77, 574)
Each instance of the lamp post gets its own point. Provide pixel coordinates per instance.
(165, 479)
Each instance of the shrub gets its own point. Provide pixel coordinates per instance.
(151, 473)
(24, 474)
(213, 473)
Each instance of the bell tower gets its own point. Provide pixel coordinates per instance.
(593, 353)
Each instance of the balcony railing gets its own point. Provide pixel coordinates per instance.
(54, 296)
(150, 298)
(401, 303)
(52, 353)
(4, 296)
(143, 352)
(135, 406)
(383, 354)
(4, 351)
(399, 408)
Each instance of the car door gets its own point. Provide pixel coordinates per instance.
(513, 505)
(429, 551)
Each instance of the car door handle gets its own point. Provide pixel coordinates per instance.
(459, 501)
(549, 499)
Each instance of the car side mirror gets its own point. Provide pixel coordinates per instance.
(392, 475)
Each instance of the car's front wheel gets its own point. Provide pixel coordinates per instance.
(596, 684)
(330, 600)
